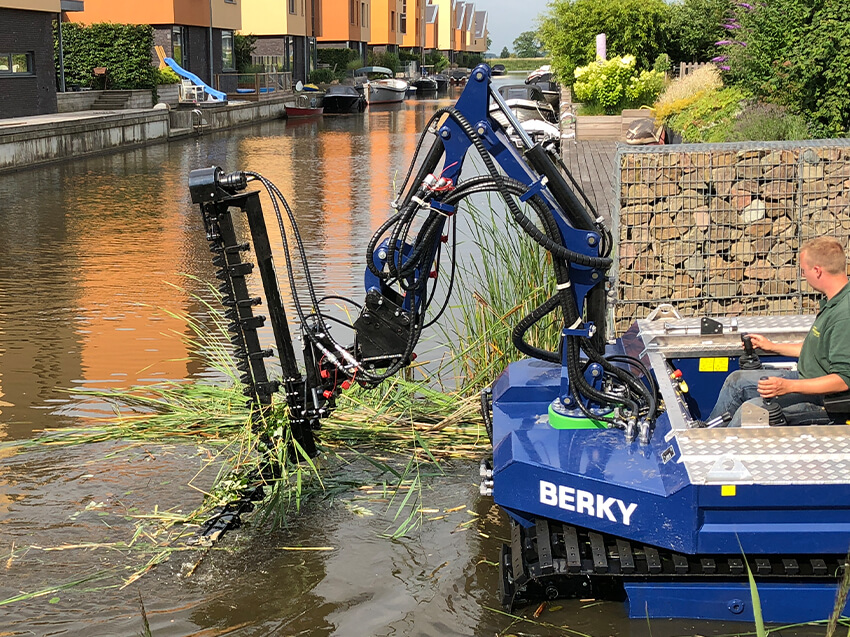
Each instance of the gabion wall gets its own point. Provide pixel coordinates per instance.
(714, 228)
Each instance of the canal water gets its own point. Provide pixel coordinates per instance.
(97, 257)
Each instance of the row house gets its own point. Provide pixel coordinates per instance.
(458, 28)
(346, 24)
(27, 69)
(287, 33)
(198, 34)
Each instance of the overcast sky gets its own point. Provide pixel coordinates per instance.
(506, 19)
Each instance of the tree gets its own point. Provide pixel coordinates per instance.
(243, 48)
(695, 25)
(632, 27)
(505, 53)
(489, 42)
(528, 45)
(795, 53)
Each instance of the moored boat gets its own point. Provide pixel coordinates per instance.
(536, 116)
(379, 85)
(343, 99)
(442, 82)
(308, 104)
(425, 84)
(542, 77)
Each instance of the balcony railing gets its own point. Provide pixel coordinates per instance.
(254, 86)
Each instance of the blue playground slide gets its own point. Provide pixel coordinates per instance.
(217, 95)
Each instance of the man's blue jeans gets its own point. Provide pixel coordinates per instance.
(742, 386)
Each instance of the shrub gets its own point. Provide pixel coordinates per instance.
(636, 27)
(614, 85)
(768, 122)
(684, 91)
(243, 49)
(322, 76)
(662, 63)
(386, 59)
(437, 60)
(710, 116)
(695, 25)
(167, 76)
(124, 49)
(795, 53)
(338, 59)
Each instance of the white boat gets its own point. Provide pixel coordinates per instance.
(379, 86)
(537, 117)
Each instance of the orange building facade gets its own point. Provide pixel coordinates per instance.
(346, 23)
(198, 34)
(389, 20)
(286, 31)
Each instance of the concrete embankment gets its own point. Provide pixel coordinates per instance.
(30, 141)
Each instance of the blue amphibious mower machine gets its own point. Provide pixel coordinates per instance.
(613, 488)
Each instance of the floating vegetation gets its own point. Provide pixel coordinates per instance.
(401, 432)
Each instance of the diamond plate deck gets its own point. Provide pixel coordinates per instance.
(786, 455)
(762, 455)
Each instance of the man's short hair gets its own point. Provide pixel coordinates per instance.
(827, 253)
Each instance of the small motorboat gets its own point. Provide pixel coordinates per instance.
(308, 104)
(498, 69)
(536, 116)
(379, 86)
(458, 76)
(542, 77)
(425, 84)
(442, 82)
(340, 98)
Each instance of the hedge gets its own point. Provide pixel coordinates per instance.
(124, 49)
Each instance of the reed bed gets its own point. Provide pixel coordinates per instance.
(507, 277)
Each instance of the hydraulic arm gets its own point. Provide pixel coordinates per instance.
(403, 260)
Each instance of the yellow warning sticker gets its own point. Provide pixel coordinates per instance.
(714, 364)
(727, 489)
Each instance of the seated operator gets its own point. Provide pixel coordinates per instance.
(824, 356)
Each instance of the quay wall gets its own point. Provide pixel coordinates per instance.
(39, 141)
(31, 144)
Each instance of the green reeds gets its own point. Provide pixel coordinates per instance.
(508, 276)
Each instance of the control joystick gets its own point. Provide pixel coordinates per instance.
(775, 416)
(749, 359)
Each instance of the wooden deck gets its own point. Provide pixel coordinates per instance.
(592, 165)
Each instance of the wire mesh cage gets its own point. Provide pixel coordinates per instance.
(714, 229)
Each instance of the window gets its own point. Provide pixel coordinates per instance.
(227, 51)
(292, 8)
(392, 20)
(16, 64)
(178, 37)
(402, 22)
(364, 17)
(353, 11)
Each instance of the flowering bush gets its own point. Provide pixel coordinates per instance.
(615, 84)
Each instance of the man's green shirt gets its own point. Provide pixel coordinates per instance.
(826, 349)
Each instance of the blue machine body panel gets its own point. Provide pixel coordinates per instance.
(780, 603)
(594, 479)
(664, 494)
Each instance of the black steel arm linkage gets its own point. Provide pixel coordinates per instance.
(211, 189)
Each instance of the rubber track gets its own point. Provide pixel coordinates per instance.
(552, 560)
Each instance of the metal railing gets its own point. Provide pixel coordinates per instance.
(254, 86)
